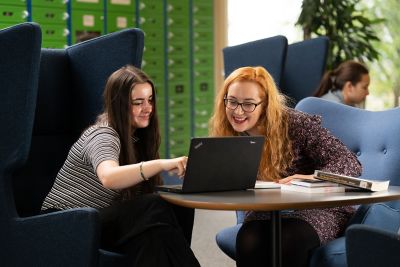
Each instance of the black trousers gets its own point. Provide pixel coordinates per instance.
(150, 231)
(253, 243)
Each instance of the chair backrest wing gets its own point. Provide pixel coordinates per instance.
(19, 67)
(269, 53)
(304, 67)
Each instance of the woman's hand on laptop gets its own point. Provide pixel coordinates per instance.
(175, 165)
(288, 179)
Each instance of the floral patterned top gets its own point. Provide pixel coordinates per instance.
(316, 148)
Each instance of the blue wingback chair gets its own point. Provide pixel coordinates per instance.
(304, 67)
(69, 97)
(369, 246)
(269, 53)
(373, 136)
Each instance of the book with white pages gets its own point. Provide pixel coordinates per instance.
(312, 183)
(266, 185)
(317, 190)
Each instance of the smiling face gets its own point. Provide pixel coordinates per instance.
(141, 105)
(245, 93)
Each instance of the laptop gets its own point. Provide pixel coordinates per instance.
(220, 164)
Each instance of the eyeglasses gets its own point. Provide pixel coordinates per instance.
(246, 106)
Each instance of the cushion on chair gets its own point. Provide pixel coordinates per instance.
(379, 215)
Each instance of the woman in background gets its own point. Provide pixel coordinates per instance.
(114, 167)
(295, 145)
(347, 84)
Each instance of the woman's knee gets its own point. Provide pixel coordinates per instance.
(252, 235)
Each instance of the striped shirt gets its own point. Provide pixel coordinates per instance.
(77, 184)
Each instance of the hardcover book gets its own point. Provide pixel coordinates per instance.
(367, 184)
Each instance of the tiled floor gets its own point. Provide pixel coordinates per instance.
(206, 224)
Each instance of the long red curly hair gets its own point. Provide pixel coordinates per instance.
(277, 153)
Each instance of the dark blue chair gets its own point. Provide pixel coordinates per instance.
(304, 67)
(269, 53)
(70, 86)
(373, 136)
(369, 246)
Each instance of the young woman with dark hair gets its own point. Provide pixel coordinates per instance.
(114, 167)
(347, 84)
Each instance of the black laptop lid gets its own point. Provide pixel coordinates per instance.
(222, 163)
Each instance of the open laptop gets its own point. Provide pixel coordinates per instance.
(220, 164)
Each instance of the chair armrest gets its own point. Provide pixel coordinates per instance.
(379, 215)
(371, 247)
(63, 238)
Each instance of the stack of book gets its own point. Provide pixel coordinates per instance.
(365, 184)
(312, 186)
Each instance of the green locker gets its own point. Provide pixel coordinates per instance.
(14, 2)
(118, 20)
(203, 61)
(49, 3)
(44, 15)
(121, 6)
(13, 14)
(87, 5)
(86, 24)
(54, 35)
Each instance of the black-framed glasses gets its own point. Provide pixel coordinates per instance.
(246, 106)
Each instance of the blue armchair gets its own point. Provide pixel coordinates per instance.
(269, 53)
(373, 137)
(36, 141)
(304, 67)
(368, 246)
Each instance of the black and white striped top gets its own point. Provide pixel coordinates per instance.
(77, 184)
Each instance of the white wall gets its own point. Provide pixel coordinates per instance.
(257, 19)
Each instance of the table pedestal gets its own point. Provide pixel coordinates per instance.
(276, 228)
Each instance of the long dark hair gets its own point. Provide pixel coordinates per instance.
(348, 71)
(118, 115)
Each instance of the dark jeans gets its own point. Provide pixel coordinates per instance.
(150, 231)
